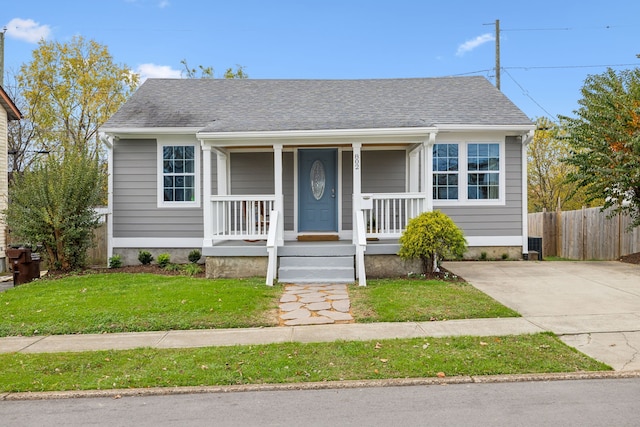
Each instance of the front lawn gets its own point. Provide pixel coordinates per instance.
(291, 363)
(121, 302)
(403, 300)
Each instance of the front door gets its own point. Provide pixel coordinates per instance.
(317, 190)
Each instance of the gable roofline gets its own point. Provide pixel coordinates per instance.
(9, 106)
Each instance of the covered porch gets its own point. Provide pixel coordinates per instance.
(280, 224)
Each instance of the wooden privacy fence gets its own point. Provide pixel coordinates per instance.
(584, 234)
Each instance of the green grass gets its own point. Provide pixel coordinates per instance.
(120, 302)
(402, 300)
(291, 363)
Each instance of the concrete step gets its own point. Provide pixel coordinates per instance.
(316, 269)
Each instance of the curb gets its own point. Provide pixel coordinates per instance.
(337, 385)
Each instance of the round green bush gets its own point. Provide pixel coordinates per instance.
(430, 237)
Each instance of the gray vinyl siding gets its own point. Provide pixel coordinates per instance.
(252, 173)
(135, 206)
(288, 189)
(496, 220)
(384, 171)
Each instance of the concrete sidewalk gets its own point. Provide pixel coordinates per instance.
(228, 337)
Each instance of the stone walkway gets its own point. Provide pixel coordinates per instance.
(314, 304)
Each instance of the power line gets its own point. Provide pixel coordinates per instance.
(570, 66)
(526, 93)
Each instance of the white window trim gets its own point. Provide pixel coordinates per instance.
(463, 199)
(177, 140)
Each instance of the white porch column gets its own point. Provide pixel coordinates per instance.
(222, 173)
(207, 214)
(427, 176)
(414, 170)
(357, 184)
(277, 181)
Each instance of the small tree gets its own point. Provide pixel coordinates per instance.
(52, 205)
(429, 237)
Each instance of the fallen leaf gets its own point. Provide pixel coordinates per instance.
(376, 371)
(425, 346)
(384, 360)
(117, 396)
(378, 346)
(441, 375)
(204, 367)
(483, 343)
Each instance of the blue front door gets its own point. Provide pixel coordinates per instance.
(317, 190)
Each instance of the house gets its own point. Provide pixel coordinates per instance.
(264, 176)
(10, 112)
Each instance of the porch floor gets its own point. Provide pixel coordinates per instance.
(295, 247)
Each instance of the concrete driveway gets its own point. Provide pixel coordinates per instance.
(592, 306)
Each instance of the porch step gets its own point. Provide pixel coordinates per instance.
(316, 269)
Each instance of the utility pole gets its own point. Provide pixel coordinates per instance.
(498, 54)
(497, 25)
(2, 56)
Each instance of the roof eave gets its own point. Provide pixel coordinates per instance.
(7, 103)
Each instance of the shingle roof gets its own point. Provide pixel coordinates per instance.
(235, 105)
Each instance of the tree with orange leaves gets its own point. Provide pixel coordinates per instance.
(605, 141)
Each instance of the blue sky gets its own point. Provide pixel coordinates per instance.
(547, 47)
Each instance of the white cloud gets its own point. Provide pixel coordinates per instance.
(27, 30)
(163, 4)
(469, 45)
(151, 71)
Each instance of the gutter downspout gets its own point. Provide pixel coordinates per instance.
(526, 139)
(109, 140)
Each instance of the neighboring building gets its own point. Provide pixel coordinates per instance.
(256, 172)
(11, 112)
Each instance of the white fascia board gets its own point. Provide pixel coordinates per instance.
(385, 135)
(149, 132)
(519, 129)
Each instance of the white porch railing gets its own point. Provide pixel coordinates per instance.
(241, 217)
(388, 214)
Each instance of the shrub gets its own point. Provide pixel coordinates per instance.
(483, 256)
(505, 256)
(430, 237)
(194, 256)
(52, 204)
(191, 269)
(173, 267)
(145, 257)
(164, 260)
(115, 261)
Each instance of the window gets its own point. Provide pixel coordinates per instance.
(468, 173)
(445, 171)
(483, 166)
(178, 175)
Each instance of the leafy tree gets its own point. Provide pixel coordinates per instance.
(207, 72)
(429, 237)
(52, 205)
(71, 90)
(605, 141)
(22, 145)
(548, 187)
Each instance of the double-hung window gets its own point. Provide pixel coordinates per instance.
(445, 172)
(468, 172)
(483, 171)
(178, 175)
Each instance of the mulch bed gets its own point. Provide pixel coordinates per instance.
(631, 258)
